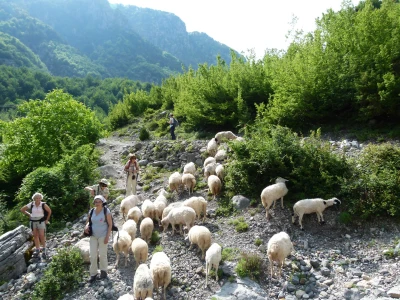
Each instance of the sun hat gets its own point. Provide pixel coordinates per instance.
(101, 198)
(104, 181)
(130, 155)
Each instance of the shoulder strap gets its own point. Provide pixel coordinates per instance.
(90, 216)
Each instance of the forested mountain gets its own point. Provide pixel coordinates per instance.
(75, 38)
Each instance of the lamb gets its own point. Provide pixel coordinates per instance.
(160, 268)
(213, 258)
(146, 229)
(309, 206)
(148, 209)
(179, 216)
(175, 182)
(140, 251)
(272, 193)
(201, 236)
(220, 171)
(225, 135)
(279, 247)
(142, 282)
(189, 181)
(220, 155)
(209, 169)
(209, 160)
(130, 227)
(122, 244)
(199, 204)
(214, 185)
(189, 168)
(127, 203)
(159, 205)
(135, 214)
(212, 147)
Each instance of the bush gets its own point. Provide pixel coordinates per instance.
(374, 186)
(249, 265)
(155, 237)
(63, 275)
(229, 254)
(144, 134)
(240, 224)
(269, 152)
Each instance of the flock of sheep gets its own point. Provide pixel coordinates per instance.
(158, 275)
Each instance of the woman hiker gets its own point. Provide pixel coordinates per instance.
(132, 170)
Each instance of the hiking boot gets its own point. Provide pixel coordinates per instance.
(103, 274)
(35, 252)
(44, 256)
(92, 278)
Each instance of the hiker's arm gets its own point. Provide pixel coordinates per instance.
(23, 210)
(48, 209)
(90, 188)
(109, 222)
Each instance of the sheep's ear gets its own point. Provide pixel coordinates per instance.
(324, 202)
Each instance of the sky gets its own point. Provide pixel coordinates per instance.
(244, 25)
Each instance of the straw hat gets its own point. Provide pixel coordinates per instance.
(130, 155)
(104, 181)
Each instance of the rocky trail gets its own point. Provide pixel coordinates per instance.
(332, 261)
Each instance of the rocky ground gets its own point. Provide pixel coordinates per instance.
(332, 261)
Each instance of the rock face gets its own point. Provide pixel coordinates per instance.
(13, 246)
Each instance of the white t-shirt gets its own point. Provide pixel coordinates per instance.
(37, 211)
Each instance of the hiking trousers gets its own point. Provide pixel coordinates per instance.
(131, 185)
(172, 131)
(97, 247)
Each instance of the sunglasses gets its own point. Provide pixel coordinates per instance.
(98, 201)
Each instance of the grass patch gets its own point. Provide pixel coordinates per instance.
(258, 242)
(225, 208)
(249, 265)
(230, 254)
(240, 224)
(158, 248)
(155, 237)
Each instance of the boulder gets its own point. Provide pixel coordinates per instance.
(14, 245)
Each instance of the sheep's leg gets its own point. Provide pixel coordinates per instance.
(202, 254)
(126, 258)
(300, 221)
(293, 218)
(282, 202)
(116, 263)
(322, 218)
(216, 271)
(271, 264)
(274, 203)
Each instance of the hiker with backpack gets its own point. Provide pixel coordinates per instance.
(98, 227)
(39, 215)
(132, 171)
(99, 189)
(172, 124)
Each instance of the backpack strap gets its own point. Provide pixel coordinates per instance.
(90, 216)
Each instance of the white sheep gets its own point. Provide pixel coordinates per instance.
(209, 170)
(225, 135)
(130, 227)
(148, 209)
(126, 297)
(209, 160)
(213, 258)
(163, 193)
(175, 182)
(272, 193)
(142, 282)
(309, 206)
(160, 268)
(159, 205)
(179, 216)
(135, 214)
(140, 251)
(189, 181)
(220, 171)
(127, 203)
(214, 185)
(146, 229)
(189, 168)
(122, 244)
(279, 247)
(171, 206)
(201, 236)
(199, 204)
(220, 155)
(212, 147)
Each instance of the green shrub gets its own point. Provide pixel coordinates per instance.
(155, 237)
(225, 207)
(249, 265)
(374, 188)
(153, 126)
(158, 248)
(240, 224)
(144, 134)
(63, 275)
(258, 242)
(229, 254)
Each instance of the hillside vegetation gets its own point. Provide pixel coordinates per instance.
(343, 75)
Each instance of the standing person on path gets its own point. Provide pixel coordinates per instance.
(172, 124)
(101, 228)
(99, 189)
(38, 221)
(132, 170)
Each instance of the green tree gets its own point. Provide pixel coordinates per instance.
(47, 130)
